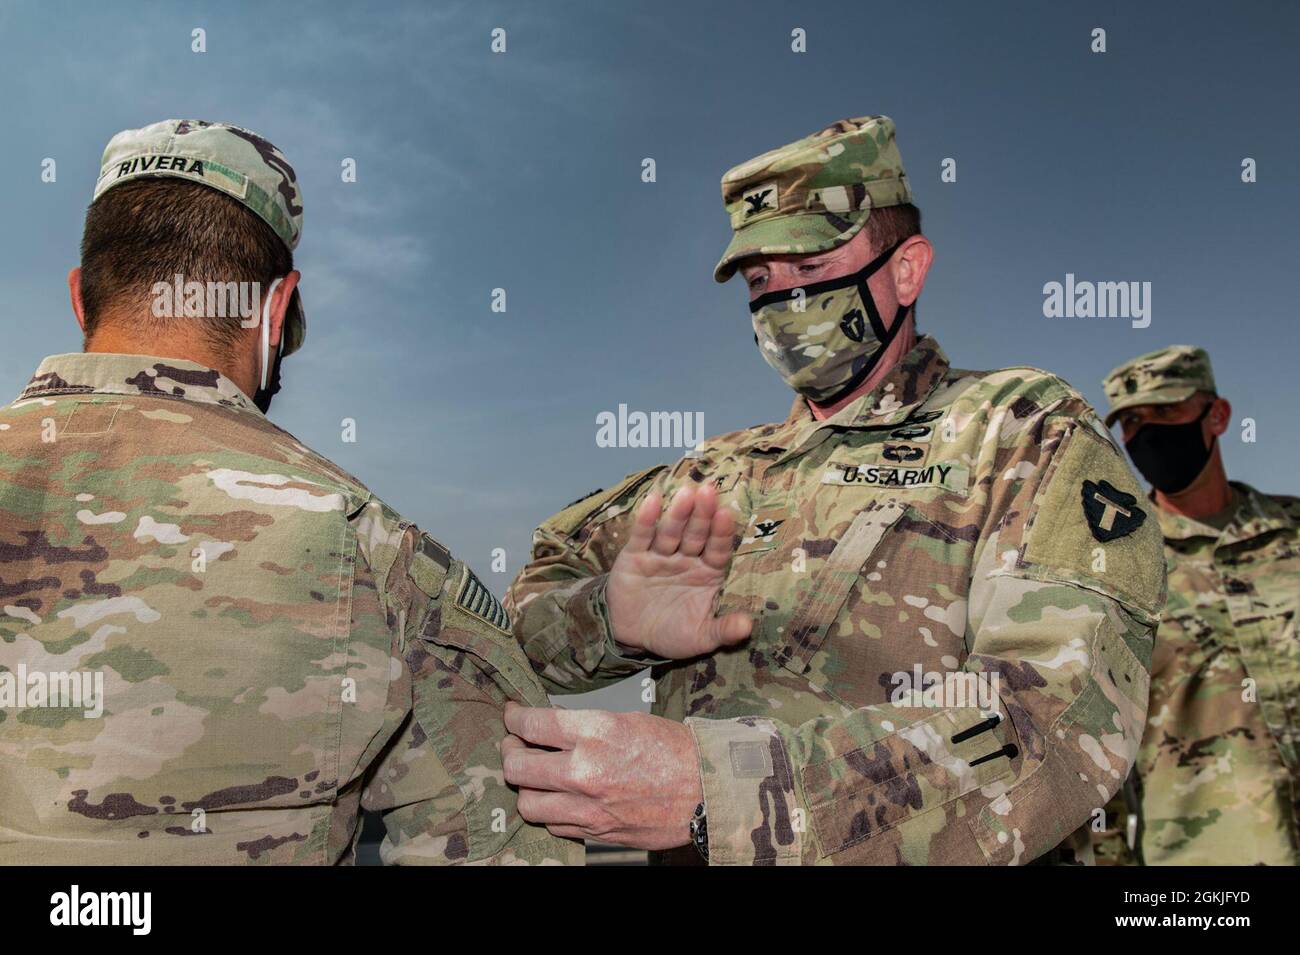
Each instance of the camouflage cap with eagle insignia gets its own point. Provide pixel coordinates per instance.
(227, 158)
(1161, 377)
(813, 194)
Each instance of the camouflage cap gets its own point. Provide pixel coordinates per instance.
(1160, 377)
(813, 194)
(232, 160)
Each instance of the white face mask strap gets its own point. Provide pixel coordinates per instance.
(266, 332)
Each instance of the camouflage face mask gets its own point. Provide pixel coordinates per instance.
(825, 339)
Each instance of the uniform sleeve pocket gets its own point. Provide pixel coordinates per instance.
(467, 619)
(466, 672)
(490, 659)
(869, 790)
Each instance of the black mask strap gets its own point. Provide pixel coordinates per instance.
(1186, 424)
(858, 278)
(262, 396)
(885, 340)
(884, 335)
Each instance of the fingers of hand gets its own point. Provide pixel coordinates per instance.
(722, 528)
(539, 725)
(696, 534)
(568, 832)
(551, 808)
(643, 527)
(531, 768)
(668, 535)
(731, 628)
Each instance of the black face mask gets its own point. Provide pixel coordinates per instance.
(1170, 456)
(262, 396)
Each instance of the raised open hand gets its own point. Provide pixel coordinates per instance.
(662, 587)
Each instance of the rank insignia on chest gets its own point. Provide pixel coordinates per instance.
(1109, 511)
(760, 534)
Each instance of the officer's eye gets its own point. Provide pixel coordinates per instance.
(757, 281)
(810, 267)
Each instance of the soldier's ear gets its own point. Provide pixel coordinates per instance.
(74, 293)
(911, 265)
(280, 300)
(1220, 416)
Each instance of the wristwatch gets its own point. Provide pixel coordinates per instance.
(700, 831)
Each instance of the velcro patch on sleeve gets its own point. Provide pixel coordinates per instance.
(477, 601)
(1091, 525)
(429, 565)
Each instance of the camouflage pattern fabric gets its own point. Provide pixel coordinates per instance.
(1166, 376)
(948, 522)
(1217, 770)
(278, 649)
(813, 194)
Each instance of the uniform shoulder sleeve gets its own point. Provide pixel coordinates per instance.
(556, 603)
(598, 506)
(466, 621)
(440, 786)
(1089, 524)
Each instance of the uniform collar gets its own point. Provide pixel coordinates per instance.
(137, 375)
(1255, 514)
(904, 389)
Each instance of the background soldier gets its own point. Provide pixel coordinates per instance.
(279, 649)
(907, 517)
(1216, 776)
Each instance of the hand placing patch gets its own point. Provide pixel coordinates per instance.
(1110, 512)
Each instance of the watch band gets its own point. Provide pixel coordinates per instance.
(700, 831)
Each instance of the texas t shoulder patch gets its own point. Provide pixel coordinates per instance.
(477, 600)
(1110, 512)
(1085, 524)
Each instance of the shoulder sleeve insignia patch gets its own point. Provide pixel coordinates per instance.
(1088, 526)
(1110, 512)
(477, 600)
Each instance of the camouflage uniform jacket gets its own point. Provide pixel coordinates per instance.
(1217, 770)
(937, 524)
(278, 649)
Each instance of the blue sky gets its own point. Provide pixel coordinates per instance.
(522, 171)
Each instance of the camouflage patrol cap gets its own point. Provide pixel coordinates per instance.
(1161, 377)
(813, 194)
(232, 160)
